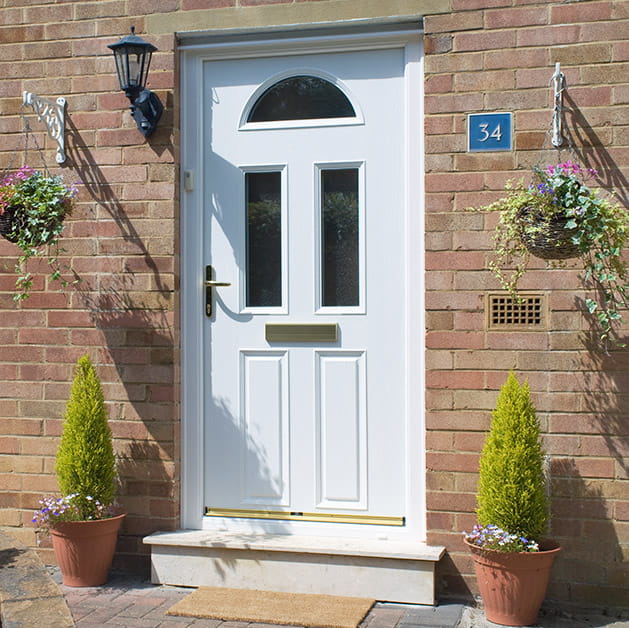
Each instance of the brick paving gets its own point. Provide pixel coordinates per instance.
(134, 603)
(30, 597)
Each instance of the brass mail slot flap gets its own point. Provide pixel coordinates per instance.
(306, 516)
(301, 332)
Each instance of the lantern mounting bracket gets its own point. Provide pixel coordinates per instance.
(146, 109)
(52, 114)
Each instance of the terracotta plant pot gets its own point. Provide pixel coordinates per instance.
(85, 549)
(513, 584)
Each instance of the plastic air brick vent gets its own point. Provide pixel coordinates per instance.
(505, 312)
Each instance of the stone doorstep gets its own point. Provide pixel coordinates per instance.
(308, 544)
(27, 592)
(386, 570)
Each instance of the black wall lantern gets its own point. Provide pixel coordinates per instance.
(133, 58)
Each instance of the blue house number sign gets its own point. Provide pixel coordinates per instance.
(489, 131)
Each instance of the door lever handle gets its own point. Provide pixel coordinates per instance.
(209, 284)
(216, 284)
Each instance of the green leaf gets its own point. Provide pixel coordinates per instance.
(591, 305)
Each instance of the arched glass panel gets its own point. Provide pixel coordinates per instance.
(301, 98)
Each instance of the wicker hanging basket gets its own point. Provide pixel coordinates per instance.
(7, 223)
(13, 220)
(547, 237)
(14, 217)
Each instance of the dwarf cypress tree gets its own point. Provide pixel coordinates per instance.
(511, 491)
(85, 459)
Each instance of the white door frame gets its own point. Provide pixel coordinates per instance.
(217, 46)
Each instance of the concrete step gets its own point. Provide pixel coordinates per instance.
(386, 570)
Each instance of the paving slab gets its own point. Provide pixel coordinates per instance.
(551, 618)
(446, 615)
(28, 595)
(136, 603)
(30, 591)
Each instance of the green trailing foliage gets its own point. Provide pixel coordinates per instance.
(512, 487)
(86, 466)
(36, 204)
(597, 226)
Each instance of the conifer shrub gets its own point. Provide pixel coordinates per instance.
(85, 464)
(512, 487)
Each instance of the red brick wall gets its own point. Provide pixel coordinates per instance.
(121, 241)
(499, 55)
(485, 55)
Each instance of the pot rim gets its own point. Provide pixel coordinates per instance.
(547, 546)
(58, 527)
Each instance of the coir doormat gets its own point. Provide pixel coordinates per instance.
(269, 607)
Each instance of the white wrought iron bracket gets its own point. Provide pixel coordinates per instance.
(53, 116)
(559, 83)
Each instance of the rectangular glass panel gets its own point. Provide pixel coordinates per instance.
(339, 228)
(264, 239)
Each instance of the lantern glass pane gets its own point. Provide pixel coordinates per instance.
(134, 69)
(121, 68)
(132, 65)
(135, 55)
(144, 70)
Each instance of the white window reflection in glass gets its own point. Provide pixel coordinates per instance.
(340, 224)
(264, 239)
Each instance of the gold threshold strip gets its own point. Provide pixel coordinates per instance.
(305, 516)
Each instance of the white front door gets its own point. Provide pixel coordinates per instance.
(308, 375)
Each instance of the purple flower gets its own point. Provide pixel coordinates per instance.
(492, 537)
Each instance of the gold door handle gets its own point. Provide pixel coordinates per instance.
(209, 283)
(216, 284)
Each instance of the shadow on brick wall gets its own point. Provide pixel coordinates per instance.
(140, 344)
(606, 400)
(133, 311)
(587, 490)
(590, 570)
(147, 490)
(606, 396)
(583, 145)
(451, 583)
(100, 190)
(591, 151)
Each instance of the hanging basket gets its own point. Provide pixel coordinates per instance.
(13, 220)
(7, 223)
(547, 237)
(23, 221)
